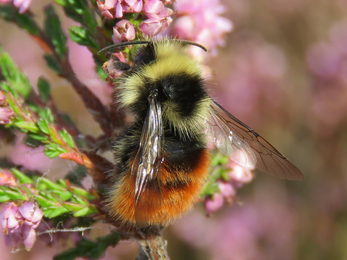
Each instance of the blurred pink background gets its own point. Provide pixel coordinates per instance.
(283, 71)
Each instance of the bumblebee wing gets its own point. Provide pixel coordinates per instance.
(149, 155)
(246, 147)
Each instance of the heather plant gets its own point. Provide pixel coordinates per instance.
(28, 114)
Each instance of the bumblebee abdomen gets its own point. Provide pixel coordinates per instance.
(175, 190)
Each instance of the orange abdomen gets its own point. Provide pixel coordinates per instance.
(175, 190)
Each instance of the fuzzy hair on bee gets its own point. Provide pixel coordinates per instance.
(162, 160)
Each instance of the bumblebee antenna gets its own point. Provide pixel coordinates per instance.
(122, 44)
(190, 43)
(115, 46)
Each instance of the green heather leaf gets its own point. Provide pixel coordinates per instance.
(53, 64)
(80, 200)
(44, 202)
(210, 189)
(81, 191)
(13, 75)
(43, 125)
(71, 13)
(4, 198)
(40, 138)
(51, 185)
(89, 19)
(44, 89)
(219, 159)
(52, 150)
(32, 142)
(46, 113)
(84, 212)
(54, 213)
(29, 126)
(26, 22)
(61, 2)
(54, 31)
(73, 206)
(67, 138)
(7, 12)
(64, 195)
(13, 193)
(6, 86)
(82, 37)
(22, 178)
(27, 191)
(77, 5)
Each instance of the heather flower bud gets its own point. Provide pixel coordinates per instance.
(7, 178)
(123, 31)
(239, 173)
(215, 203)
(5, 115)
(226, 189)
(151, 27)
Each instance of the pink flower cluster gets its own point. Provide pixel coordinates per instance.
(7, 178)
(327, 61)
(22, 5)
(200, 21)
(158, 17)
(5, 112)
(238, 176)
(19, 224)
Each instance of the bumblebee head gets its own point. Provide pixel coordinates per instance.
(164, 67)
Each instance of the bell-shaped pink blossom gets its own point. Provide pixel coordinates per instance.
(19, 224)
(215, 203)
(31, 214)
(5, 115)
(116, 8)
(123, 31)
(155, 9)
(239, 173)
(9, 217)
(152, 27)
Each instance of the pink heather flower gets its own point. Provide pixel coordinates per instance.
(152, 27)
(7, 178)
(22, 5)
(200, 21)
(115, 8)
(123, 31)
(9, 218)
(155, 9)
(5, 115)
(109, 66)
(19, 223)
(226, 188)
(239, 173)
(214, 204)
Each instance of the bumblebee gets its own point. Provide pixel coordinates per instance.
(162, 160)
